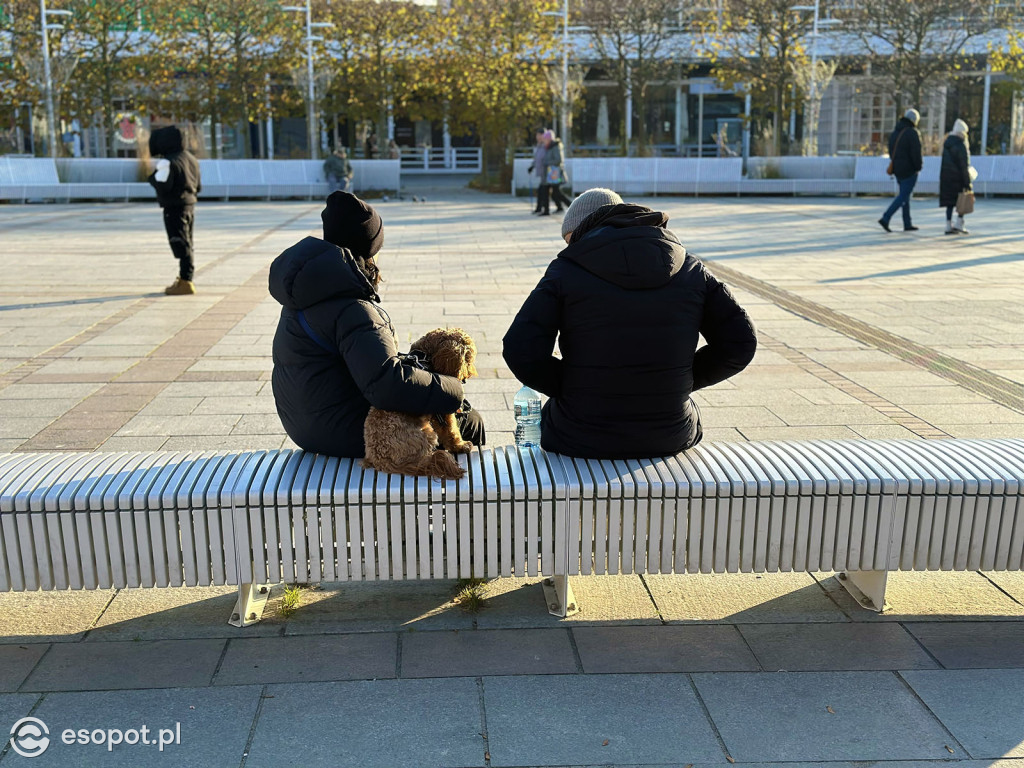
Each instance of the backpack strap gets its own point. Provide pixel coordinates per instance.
(313, 334)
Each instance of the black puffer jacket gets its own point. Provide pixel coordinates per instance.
(182, 185)
(954, 173)
(626, 302)
(905, 150)
(323, 395)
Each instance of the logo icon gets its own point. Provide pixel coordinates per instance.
(30, 737)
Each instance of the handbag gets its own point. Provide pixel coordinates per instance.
(965, 203)
(555, 175)
(889, 169)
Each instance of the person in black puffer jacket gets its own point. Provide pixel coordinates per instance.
(335, 350)
(955, 176)
(626, 303)
(905, 152)
(177, 184)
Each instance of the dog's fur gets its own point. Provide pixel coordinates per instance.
(407, 444)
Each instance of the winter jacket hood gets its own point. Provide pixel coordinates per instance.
(313, 271)
(166, 141)
(628, 246)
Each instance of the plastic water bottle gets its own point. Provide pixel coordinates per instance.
(526, 405)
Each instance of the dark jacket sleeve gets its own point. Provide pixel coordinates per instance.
(963, 164)
(914, 150)
(530, 340)
(729, 333)
(370, 353)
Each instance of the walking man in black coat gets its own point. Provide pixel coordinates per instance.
(177, 185)
(905, 154)
(626, 303)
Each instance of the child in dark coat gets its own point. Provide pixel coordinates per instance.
(177, 185)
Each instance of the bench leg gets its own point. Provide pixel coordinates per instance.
(867, 587)
(559, 597)
(252, 599)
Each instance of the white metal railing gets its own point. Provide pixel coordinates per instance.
(422, 160)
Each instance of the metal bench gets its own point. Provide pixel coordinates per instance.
(864, 508)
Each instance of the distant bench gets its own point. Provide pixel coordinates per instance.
(629, 176)
(24, 179)
(862, 507)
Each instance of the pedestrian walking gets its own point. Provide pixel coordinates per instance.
(537, 170)
(626, 304)
(554, 174)
(338, 170)
(905, 163)
(370, 146)
(955, 178)
(177, 184)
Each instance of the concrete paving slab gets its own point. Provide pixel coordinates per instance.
(374, 607)
(214, 727)
(704, 648)
(123, 665)
(378, 724)
(13, 707)
(16, 662)
(307, 658)
(515, 602)
(931, 596)
(981, 707)
(175, 612)
(742, 598)
(629, 719)
(834, 647)
(965, 645)
(50, 616)
(487, 652)
(820, 716)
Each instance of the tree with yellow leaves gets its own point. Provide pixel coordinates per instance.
(756, 47)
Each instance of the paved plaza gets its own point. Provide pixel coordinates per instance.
(861, 334)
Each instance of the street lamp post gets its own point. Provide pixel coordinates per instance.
(311, 88)
(51, 122)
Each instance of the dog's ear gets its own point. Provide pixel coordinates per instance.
(448, 358)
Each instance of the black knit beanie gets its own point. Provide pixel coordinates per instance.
(351, 223)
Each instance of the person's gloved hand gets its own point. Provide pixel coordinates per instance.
(530, 169)
(163, 169)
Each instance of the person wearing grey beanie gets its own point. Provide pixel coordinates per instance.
(586, 204)
(905, 164)
(626, 304)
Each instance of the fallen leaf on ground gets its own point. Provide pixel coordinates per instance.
(830, 710)
(604, 743)
(950, 750)
(727, 757)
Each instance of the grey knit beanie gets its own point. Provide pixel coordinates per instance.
(913, 115)
(586, 204)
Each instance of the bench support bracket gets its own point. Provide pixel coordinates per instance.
(559, 597)
(867, 587)
(252, 599)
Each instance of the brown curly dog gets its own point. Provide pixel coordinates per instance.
(405, 443)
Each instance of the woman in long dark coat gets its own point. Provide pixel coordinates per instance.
(955, 175)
